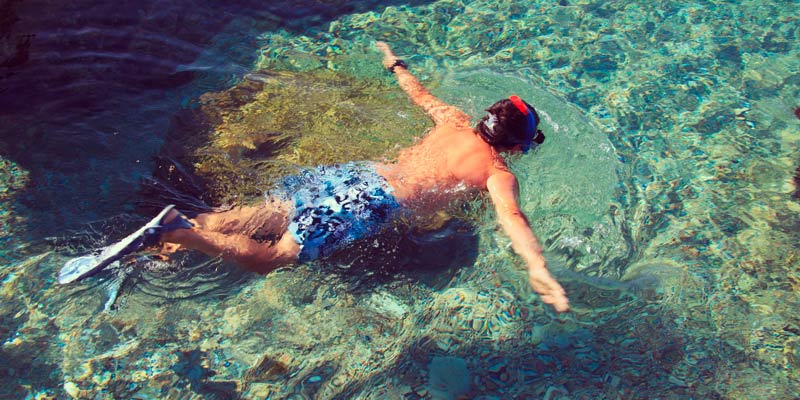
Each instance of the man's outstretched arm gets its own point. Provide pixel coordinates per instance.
(439, 111)
(504, 190)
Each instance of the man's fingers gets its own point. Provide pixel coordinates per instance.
(561, 307)
(549, 290)
(560, 303)
(382, 46)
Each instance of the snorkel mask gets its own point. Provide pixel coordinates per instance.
(533, 136)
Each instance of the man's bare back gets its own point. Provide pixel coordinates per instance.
(448, 160)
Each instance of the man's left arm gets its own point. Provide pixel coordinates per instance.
(504, 190)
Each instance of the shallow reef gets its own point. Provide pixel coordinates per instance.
(672, 221)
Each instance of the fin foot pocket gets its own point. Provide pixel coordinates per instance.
(148, 235)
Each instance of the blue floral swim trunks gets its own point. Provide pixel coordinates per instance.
(336, 205)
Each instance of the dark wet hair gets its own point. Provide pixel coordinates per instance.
(506, 126)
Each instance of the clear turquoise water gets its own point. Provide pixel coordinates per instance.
(664, 195)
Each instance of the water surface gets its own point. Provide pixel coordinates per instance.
(664, 196)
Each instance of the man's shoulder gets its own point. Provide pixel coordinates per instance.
(453, 129)
(503, 181)
(447, 115)
(475, 162)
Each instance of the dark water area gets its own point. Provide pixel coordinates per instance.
(88, 88)
(93, 92)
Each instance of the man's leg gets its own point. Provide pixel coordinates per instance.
(267, 217)
(230, 234)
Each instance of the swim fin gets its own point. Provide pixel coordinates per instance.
(148, 235)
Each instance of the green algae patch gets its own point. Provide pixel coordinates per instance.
(12, 180)
(276, 121)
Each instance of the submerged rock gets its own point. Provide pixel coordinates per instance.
(13, 179)
(241, 140)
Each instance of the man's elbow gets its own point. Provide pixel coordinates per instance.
(513, 217)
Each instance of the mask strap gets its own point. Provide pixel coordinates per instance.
(532, 122)
(489, 122)
(521, 106)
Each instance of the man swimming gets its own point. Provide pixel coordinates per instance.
(329, 207)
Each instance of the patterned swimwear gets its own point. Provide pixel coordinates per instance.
(336, 205)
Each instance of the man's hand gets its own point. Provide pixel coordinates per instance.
(388, 56)
(504, 190)
(547, 287)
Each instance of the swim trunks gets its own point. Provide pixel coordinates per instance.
(336, 205)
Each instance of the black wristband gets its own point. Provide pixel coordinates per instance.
(398, 63)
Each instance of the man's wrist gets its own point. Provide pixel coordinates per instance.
(397, 63)
(536, 261)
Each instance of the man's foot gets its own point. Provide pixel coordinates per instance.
(146, 236)
(169, 248)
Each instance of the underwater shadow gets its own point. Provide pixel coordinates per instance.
(38, 44)
(431, 257)
(87, 87)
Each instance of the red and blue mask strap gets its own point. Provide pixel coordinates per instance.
(530, 131)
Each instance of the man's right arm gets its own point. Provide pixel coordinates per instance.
(440, 112)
